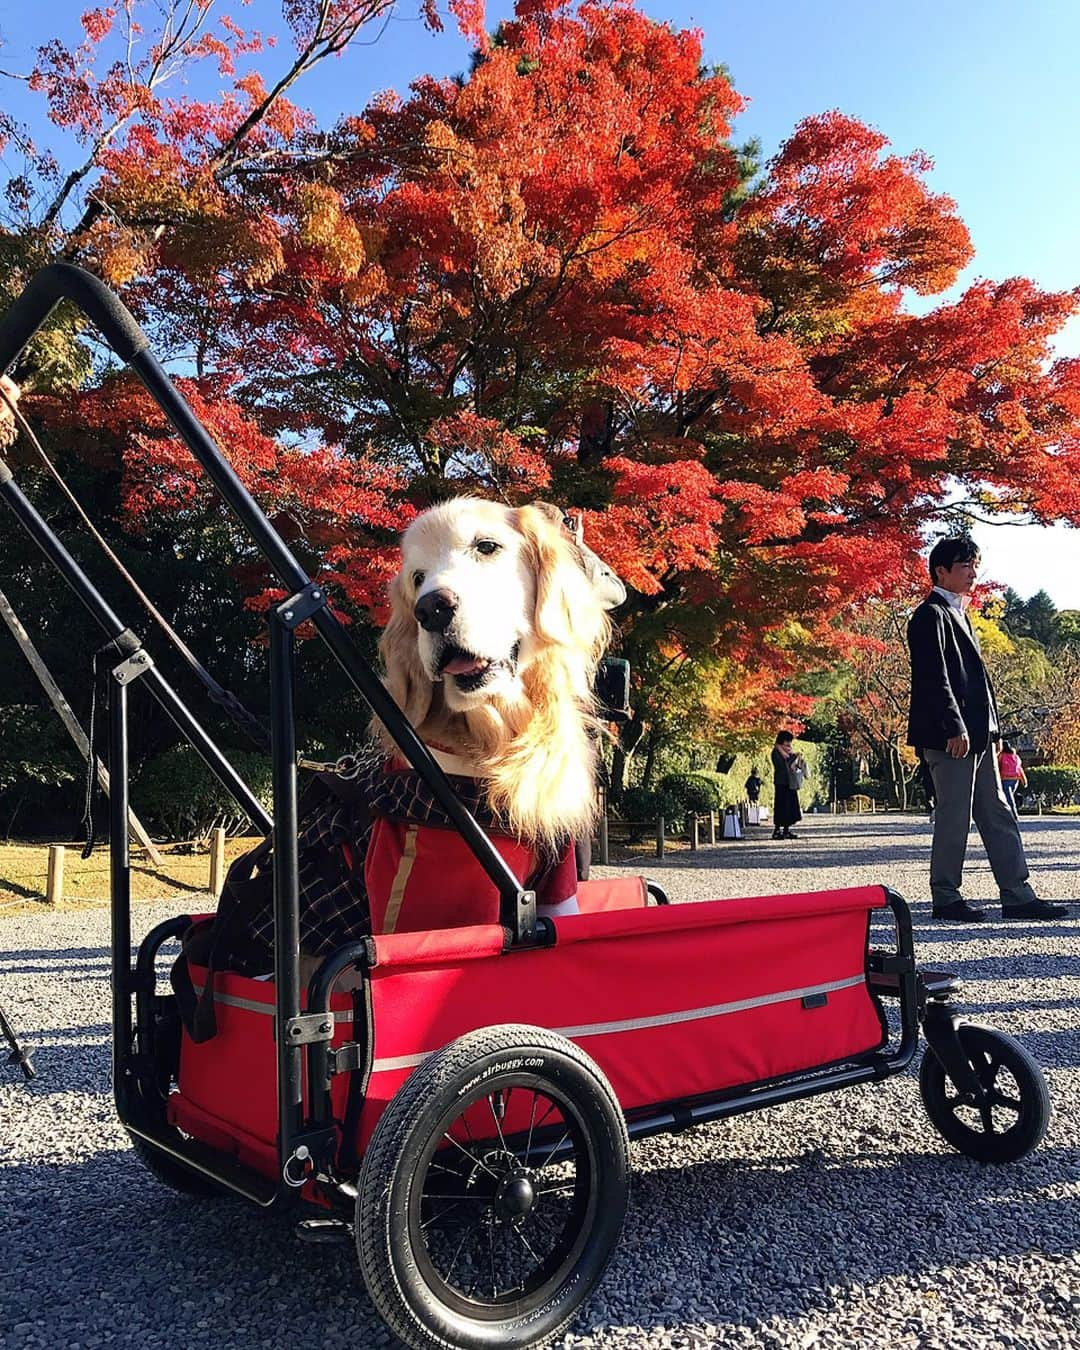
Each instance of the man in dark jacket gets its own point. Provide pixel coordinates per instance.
(954, 726)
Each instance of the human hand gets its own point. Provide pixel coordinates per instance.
(958, 746)
(7, 417)
(11, 390)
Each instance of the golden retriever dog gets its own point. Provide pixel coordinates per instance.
(491, 650)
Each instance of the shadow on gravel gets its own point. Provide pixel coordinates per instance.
(1039, 965)
(991, 930)
(56, 955)
(976, 1007)
(131, 1263)
(1058, 1049)
(767, 1242)
(134, 1264)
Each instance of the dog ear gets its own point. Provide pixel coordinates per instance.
(566, 611)
(406, 678)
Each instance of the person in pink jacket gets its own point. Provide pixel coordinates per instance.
(1011, 771)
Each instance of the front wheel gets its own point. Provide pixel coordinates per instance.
(493, 1192)
(1012, 1118)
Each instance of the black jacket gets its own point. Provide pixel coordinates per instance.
(951, 692)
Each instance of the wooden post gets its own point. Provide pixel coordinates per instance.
(692, 828)
(712, 827)
(54, 884)
(660, 837)
(217, 861)
(63, 709)
(603, 840)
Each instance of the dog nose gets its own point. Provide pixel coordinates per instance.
(435, 611)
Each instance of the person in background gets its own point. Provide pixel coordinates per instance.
(788, 765)
(753, 787)
(953, 724)
(1012, 772)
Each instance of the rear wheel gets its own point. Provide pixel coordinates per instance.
(1013, 1116)
(493, 1192)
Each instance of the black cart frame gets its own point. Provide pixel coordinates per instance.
(137, 1057)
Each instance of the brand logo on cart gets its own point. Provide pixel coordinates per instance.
(529, 1062)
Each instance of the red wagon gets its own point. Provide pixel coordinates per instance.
(461, 1101)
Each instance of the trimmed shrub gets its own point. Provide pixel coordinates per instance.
(183, 799)
(1057, 784)
(642, 805)
(691, 791)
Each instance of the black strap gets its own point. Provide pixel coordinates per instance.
(125, 644)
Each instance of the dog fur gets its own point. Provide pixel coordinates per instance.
(524, 721)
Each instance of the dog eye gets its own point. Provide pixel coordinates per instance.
(418, 578)
(487, 547)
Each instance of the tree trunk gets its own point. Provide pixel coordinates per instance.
(74, 730)
(619, 761)
(650, 764)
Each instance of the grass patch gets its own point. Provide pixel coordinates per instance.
(183, 875)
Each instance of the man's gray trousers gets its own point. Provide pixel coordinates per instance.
(967, 789)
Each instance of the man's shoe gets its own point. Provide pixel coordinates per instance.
(789, 834)
(1034, 911)
(959, 912)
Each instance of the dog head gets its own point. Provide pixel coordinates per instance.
(483, 592)
(492, 646)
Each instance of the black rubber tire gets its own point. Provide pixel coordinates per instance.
(172, 1173)
(989, 1052)
(402, 1276)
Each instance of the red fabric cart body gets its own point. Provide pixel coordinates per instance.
(672, 1002)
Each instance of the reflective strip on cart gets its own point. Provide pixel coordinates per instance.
(253, 1005)
(659, 1020)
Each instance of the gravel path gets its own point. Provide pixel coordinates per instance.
(839, 1221)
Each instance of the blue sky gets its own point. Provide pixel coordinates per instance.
(988, 88)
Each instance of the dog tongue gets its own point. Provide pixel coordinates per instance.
(464, 665)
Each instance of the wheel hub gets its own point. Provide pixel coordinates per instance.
(516, 1196)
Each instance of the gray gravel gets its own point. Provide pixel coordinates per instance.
(839, 1221)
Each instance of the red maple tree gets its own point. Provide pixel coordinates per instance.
(559, 275)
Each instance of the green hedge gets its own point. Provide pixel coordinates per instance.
(1057, 784)
(692, 791)
(730, 786)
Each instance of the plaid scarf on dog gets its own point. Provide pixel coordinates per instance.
(334, 838)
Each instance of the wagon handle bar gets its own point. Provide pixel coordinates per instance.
(64, 281)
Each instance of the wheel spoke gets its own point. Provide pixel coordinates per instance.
(457, 1252)
(532, 1120)
(566, 1136)
(478, 1162)
(560, 1189)
(551, 1107)
(986, 1114)
(437, 1218)
(440, 1167)
(498, 1125)
(474, 1198)
(527, 1245)
(1010, 1103)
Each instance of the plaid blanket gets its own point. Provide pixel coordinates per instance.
(334, 837)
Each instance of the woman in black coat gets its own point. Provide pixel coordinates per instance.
(786, 808)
